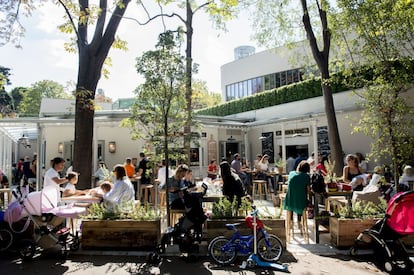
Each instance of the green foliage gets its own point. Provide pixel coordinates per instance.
(363, 210)
(137, 212)
(290, 93)
(158, 113)
(32, 98)
(225, 208)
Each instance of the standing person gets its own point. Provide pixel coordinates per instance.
(312, 162)
(122, 194)
(52, 178)
(28, 172)
(352, 169)
(321, 165)
(236, 165)
(290, 164)
(129, 168)
(161, 174)
(298, 188)
(232, 185)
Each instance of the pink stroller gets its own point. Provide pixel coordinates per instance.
(42, 223)
(385, 237)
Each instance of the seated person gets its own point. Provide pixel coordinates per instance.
(359, 182)
(406, 178)
(212, 169)
(70, 188)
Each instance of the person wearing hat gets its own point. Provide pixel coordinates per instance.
(52, 178)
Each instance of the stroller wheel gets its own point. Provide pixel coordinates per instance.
(27, 249)
(388, 266)
(353, 251)
(6, 239)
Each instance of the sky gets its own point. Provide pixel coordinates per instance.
(43, 56)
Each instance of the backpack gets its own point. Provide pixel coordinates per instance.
(318, 182)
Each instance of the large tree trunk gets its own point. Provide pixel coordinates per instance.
(322, 60)
(91, 59)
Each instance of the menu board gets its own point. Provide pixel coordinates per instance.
(267, 146)
(323, 140)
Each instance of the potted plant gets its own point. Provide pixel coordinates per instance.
(139, 228)
(348, 222)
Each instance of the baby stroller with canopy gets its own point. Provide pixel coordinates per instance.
(42, 224)
(188, 229)
(385, 237)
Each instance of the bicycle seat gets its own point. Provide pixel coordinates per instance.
(232, 226)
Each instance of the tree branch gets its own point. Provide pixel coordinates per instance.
(100, 24)
(70, 19)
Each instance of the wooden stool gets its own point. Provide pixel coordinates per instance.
(163, 198)
(303, 229)
(143, 192)
(260, 185)
(175, 215)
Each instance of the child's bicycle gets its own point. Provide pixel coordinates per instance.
(224, 251)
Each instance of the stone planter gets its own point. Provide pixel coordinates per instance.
(120, 234)
(217, 228)
(344, 231)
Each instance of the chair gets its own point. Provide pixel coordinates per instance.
(261, 187)
(163, 198)
(175, 215)
(303, 225)
(143, 192)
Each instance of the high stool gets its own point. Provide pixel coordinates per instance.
(163, 198)
(260, 185)
(175, 215)
(143, 192)
(303, 228)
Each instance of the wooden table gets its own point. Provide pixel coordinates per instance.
(86, 199)
(346, 194)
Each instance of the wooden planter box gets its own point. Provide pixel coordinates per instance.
(344, 231)
(120, 234)
(217, 228)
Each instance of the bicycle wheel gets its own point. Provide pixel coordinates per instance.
(6, 239)
(221, 252)
(271, 252)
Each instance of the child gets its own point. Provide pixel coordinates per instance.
(70, 188)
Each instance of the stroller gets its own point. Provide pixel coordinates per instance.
(188, 229)
(385, 236)
(33, 222)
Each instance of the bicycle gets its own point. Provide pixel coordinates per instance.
(224, 251)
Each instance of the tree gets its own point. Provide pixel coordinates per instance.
(201, 98)
(158, 113)
(32, 98)
(17, 96)
(277, 21)
(6, 106)
(382, 50)
(219, 11)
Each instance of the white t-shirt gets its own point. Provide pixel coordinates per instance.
(49, 182)
(70, 186)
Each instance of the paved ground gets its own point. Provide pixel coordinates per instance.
(305, 264)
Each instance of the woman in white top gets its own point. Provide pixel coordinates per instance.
(263, 171)
(52, 178)
(122, 193)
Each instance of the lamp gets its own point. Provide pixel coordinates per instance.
(60, 147)
(24, 141)
(112, 147)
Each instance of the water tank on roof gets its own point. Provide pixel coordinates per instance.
(243, 51)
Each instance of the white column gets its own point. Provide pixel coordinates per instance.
(284, 157)
(315, 139)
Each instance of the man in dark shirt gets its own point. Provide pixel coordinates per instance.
(143, 172)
